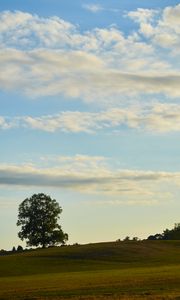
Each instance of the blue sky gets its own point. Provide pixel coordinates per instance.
(89, 114)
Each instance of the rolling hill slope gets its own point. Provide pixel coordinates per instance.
(116, 269)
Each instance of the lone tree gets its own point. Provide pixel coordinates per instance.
(38, 217)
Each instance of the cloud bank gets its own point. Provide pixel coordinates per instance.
(157, 118)
(49, 56)
(92, 175)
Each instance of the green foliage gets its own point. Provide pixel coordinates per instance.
(126, 239)
(19, 248)
(156, 237)
(173, 234)
(38, 217)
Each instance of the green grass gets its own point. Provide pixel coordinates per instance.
(124, 270)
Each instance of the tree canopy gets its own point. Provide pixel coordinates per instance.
(38, 217)
(168, 234)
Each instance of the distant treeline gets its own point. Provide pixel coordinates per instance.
(14, 249)
(168, 234)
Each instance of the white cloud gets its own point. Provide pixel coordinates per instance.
(7, 123)
(148, 202)
(171, 17)
(94, 8)
(157, 118)
(92, 175)
(3, 123)
(19, 29)
(142, 15)
(77, 163)
(48, 56)
(162, 26)
(79, 74)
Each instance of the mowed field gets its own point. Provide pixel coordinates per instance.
(104, 271)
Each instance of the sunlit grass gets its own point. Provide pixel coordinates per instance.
(144, 270)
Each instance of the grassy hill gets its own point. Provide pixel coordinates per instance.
(116, 270)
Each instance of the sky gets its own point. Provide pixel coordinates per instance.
(90, 115)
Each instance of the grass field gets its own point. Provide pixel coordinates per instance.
(104, 271)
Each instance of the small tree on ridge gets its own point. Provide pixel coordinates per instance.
(38, 217)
